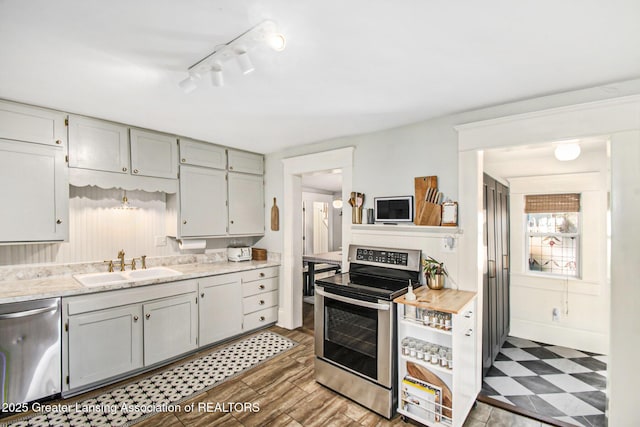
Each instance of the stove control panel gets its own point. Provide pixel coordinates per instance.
(381, 256)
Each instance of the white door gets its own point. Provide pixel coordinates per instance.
(241, 161)
(99, 145)
(34, 190)
(203, 202)
(154, 154)
(246, 204)
(220, 308)
(170, 327)
(104, 343)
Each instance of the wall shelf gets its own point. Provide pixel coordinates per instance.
(411, 229)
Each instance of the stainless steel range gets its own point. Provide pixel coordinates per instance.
(355, 329)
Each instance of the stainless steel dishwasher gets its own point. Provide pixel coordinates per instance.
(30, 349)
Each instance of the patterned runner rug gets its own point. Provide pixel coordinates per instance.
(162, 391)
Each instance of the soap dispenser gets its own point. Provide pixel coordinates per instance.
(410, 310)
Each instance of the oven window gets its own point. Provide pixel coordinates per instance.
(351, 336)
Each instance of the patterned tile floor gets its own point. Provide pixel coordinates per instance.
(558, 382)
(163, 391)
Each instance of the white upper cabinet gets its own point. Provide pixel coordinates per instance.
(204, 154)
(154, 154)
(98, 145)
(246, 204)
(31, 124)
(241, 161)
(35, 192)
(203, 199)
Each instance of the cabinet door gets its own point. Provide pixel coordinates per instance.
(170, 327)
(246, 204)
(34, 188)
(241, 161)
(220, 308)
(154, 154)
(98, 145)
(203, 202)
(202, 154)
(103, 344)
(30, 124)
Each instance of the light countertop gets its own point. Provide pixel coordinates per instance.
(66, 285)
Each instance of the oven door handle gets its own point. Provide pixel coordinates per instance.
(367, 304)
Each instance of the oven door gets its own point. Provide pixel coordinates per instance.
(355, 334)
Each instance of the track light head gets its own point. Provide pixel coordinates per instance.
(245, 62)
(217, 78)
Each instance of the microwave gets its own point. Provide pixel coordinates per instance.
(393, 209)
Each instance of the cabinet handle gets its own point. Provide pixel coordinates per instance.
(468, 333)
(261, 274)
(135, 318)
(202, 295)
(59, 221)
(262, 318)
(231, 221)
(147, 316)
(230, 168)
(184, 222)
(505, 262)
(492, 269)
(261, 302)
(58, 141)
(135, 171)
(261, 287)
(468, 314)
(124, 169)
(183, 160)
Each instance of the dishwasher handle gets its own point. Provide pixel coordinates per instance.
(27, 313)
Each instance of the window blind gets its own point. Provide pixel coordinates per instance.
(552, 203)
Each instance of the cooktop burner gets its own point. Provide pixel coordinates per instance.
(376, 273)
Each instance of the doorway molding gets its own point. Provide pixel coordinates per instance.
(619, 118)
(290, 310)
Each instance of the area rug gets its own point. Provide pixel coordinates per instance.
(162, 391)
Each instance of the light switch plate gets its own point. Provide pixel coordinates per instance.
(448, 244)
(161, 240)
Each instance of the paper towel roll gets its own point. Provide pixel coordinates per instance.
(195, 244)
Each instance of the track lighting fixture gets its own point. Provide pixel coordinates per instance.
(263, 34)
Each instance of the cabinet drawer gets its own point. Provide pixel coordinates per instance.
(260, 318)
(260, 301)
(262, 273)
(259, 286)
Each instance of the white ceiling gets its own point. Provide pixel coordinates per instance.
(349, 67)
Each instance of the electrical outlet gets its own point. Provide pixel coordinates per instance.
(161, 240)
(555, 315)
(448, 244)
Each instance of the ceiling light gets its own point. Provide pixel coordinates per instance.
(566, 152)
(277, 42)
(263, 34)
(217, 78)
(188, 85)
(125, 203)
(245, 62)
(337, 204)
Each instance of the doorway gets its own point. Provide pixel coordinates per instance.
(553, 363)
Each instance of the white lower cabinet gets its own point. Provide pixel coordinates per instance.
(108, 334)
(220, 307)
(103, 344)
(170, 327)
(260, 298)
(437, 357)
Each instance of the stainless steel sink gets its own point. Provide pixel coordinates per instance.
(116, 277)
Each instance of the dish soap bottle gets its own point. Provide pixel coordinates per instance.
(410, 310)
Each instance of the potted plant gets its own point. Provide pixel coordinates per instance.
(434, 272)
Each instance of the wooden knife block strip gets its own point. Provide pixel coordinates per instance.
(426, 213)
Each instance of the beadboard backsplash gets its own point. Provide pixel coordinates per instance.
(98, 230)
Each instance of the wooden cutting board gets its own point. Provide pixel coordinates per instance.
(426, 213)
(275, 216)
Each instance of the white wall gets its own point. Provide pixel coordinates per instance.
(584, 302)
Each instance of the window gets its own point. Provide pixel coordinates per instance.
(553, 233)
